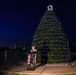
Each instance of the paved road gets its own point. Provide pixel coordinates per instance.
(43, 70)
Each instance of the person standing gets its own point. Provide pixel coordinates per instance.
(32, 58)
(44, 53)
(34, 51)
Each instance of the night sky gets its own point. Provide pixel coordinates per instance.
(20, 18)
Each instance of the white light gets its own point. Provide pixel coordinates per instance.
(50, 7)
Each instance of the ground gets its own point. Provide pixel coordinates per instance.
(48, 69)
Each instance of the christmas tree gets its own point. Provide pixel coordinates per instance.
(49, 30)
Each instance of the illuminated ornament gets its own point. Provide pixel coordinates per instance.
(59, 28)
(59, 48)
(46, 37)
(50, 7)
(51, 60)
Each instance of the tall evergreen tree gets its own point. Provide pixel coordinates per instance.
(49, 30)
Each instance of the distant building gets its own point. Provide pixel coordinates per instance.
(24, 48)
(15, 46)
(11, 47)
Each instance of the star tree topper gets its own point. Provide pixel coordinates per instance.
(50, 7)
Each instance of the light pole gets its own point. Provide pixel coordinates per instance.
(5, 58)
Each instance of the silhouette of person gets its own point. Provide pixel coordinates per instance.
(44, 53)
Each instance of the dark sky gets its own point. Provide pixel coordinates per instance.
(19, 19)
